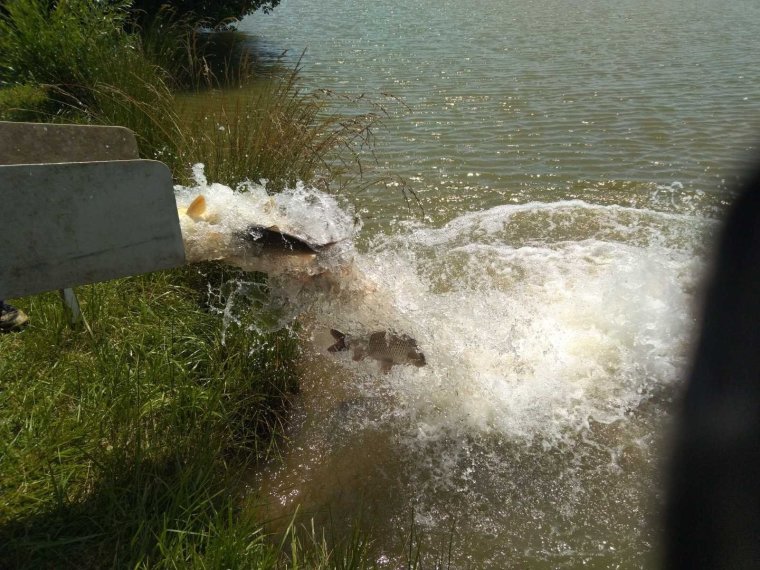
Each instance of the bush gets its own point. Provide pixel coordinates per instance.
(63, 45)
(213, 12)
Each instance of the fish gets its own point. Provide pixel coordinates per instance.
(269, 250)
(197, 208)
(266, 249)
(385, 347)
(272, 238)
(198, 212)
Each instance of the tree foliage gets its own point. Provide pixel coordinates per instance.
(215, 12)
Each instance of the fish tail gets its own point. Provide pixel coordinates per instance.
(197, 208)
(341, 342)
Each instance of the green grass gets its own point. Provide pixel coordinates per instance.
(121, 441)
(129, 442)
(23, 103)
(77, 63)
(90, 68)
(71, 45)
(273, 131)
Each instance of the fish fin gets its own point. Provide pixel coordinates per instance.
(341, 343)
(197, 208)
(272, 236)
(359, 354)
(385, 366)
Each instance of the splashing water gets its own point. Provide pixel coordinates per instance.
(530, 334)
(554, 333)
(305, 212)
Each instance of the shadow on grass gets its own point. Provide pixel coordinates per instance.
(173, 513)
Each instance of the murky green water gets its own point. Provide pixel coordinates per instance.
(525, 100)
(572, 159)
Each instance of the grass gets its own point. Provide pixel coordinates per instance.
(129, 442)
(77, 63)
(120, 440)
(273, 131)
(89, 68)
(23, 103)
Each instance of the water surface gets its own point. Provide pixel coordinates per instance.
(573, 160)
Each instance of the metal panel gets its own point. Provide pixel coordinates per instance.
(29, 143)
(71, 224)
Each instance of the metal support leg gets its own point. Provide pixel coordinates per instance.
(71, 304)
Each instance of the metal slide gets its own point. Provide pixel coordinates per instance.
(79, 207)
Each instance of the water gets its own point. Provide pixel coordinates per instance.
(516, 101)
(311, 216)
(573, 160)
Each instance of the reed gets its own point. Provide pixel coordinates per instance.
(274, 131)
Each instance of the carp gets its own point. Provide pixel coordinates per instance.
(387, 348)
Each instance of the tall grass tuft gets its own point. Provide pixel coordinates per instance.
(70, 45)
(276, 132)
(61, 43)
(178, 44)
(92, 70)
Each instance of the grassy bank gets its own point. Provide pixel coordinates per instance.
(128, 442)
(120, 442)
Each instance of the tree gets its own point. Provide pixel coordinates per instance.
(214, 12)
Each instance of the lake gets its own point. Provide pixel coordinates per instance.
(572, 161)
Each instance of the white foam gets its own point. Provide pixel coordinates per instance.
(535, 319)
(533, 338)
(542, 222)
(302, 211)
